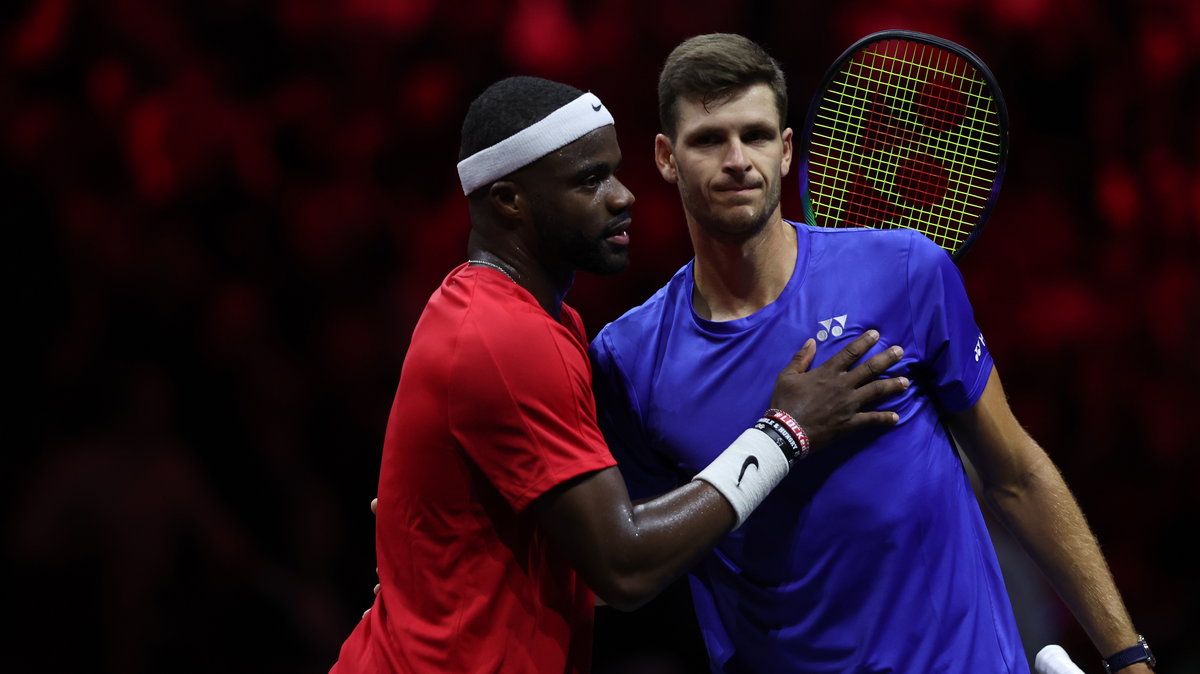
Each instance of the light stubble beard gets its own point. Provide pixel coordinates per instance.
(720, 230)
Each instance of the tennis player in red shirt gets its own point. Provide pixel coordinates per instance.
(500, 508)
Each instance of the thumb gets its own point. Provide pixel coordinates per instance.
(804, 357)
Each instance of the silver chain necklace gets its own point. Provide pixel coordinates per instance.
(497, 267)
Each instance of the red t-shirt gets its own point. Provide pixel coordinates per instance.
(493, 409)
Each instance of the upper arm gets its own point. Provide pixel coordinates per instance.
(520, 406)
(954, 360)
(1001, 450)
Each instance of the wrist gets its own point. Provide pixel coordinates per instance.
(749, 469)
(1122, 659)
(746, 472)
(786, 425)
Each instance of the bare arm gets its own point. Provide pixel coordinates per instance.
(1027, 493)
(628, 553)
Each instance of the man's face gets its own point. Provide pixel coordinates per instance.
(579, 208)
(728, 161)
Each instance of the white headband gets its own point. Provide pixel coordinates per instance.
(565, 125)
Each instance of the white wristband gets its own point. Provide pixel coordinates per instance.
(746, 472)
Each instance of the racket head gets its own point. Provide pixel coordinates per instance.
(907, 130)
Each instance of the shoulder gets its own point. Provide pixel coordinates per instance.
(501, 322)
(864, 240)
(875, 251)
(640, 324)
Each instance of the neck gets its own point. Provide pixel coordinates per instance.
(734, 279)
(549, 287)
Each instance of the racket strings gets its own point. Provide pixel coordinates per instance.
(856, 102)
(934, 178)
(906, 138)
(951, 148)
(921, 179)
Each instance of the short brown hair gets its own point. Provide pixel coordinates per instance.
(716, 67)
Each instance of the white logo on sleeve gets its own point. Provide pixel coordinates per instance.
(979, 346)
(828, 328)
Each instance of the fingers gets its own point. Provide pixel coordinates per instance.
(374, 507)
(374, 502)
(881, 388)
(876, 364)
(849, 355)
(873, 419)
(804, 357)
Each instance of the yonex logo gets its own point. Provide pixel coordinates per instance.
(828, 328)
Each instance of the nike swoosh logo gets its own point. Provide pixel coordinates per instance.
(750, 461)
(597, 107)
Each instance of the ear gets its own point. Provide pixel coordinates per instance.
(664, 158)
(786, 162)
(506, 199)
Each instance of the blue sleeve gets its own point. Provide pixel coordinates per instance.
(621, 420)
(954, 353)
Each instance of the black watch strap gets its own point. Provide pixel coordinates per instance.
(1139, 652)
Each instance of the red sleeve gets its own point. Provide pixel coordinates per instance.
(521, 402)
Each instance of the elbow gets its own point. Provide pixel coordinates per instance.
(1005, 500)
(1003, 495)
(626, 592)
(1020, 484)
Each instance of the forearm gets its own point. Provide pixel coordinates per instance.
(1044, 516)
(1028, 494)
(668, 535)
(627, 553)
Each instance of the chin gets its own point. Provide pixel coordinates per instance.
(608, 265)
(741, 226)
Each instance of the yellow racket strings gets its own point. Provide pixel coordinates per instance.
(932, 158)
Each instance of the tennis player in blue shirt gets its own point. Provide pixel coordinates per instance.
(873, 555)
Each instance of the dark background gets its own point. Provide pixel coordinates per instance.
(226, 216)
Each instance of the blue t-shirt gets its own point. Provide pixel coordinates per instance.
(872, 555)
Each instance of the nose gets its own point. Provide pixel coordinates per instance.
(620, 198)
(735, 157)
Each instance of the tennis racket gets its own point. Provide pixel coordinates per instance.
(907, 130)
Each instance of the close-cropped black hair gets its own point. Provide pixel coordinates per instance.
(508, 106)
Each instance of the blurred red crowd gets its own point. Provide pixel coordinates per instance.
(229, 214)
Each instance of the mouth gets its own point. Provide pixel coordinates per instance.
(739, 189)
(618, 233)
